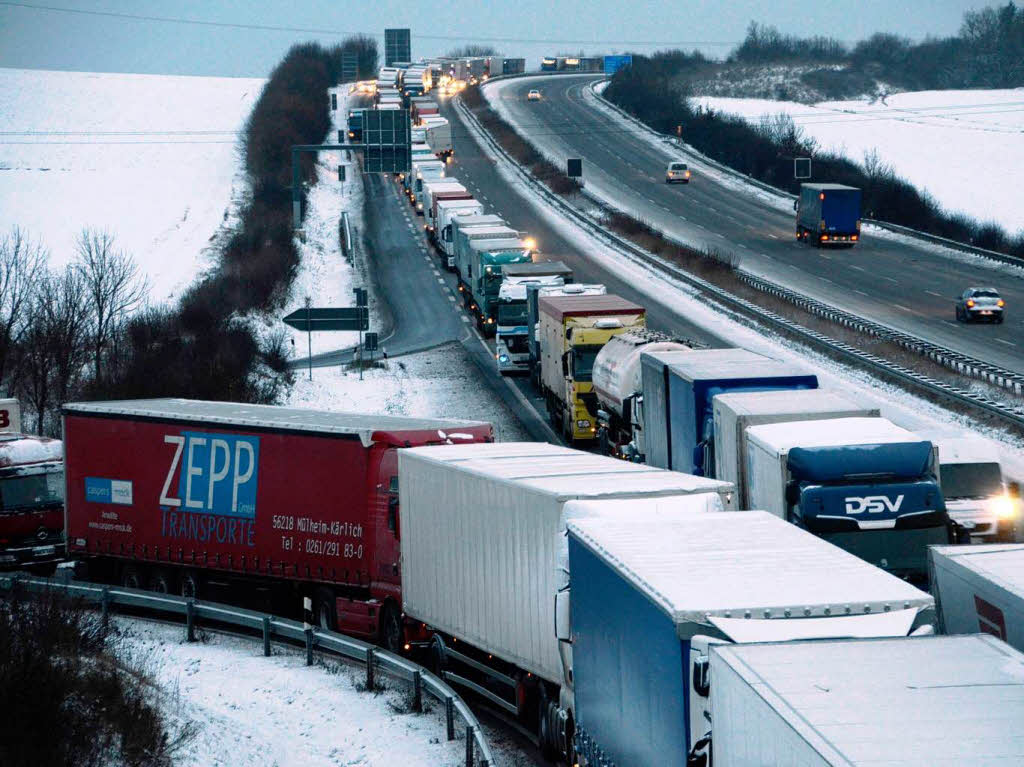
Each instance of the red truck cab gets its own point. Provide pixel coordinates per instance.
(31, 495)
(183, 496)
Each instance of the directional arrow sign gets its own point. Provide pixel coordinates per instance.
(345, 318)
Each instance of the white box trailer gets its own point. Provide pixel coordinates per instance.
(734, 412)
(479, 535)
(980, 589)
(936, 701)
(439, 136)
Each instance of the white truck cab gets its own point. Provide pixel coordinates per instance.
(977, 497)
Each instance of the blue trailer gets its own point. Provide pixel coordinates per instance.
(828, 214)
(678, 388)
(650, 594)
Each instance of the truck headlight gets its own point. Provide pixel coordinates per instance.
(1004, 507)
(503, 359)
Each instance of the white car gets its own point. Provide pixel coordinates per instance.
(677, 173)
(533, 95)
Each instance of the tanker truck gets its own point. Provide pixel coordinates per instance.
(617, 384)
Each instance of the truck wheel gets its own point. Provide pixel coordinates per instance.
(326, 609)
(188, 587)
(390, 628)
(546, 729)
(161, 582)
(131, 578)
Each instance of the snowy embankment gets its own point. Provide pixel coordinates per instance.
(153, 159)
(440, 383)
(247, 709)
(894, 403)
(963, 147)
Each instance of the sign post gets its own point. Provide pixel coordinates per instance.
(309, 336)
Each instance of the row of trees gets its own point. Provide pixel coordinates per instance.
(61, 329)
(988, 52)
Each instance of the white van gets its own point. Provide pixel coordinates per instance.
(976, 494)
(677, 173)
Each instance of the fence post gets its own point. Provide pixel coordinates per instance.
(449, 714)
(417, 692)
(190, 620)
(469, 746)
(266, 636)
(309, 645)
(371, 660)
(105, 603)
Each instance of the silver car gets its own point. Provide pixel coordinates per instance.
(980, 304)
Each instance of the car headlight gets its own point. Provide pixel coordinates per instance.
(1004, 507)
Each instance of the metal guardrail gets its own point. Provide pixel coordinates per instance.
(1014, 416)
(270, 627)
(896, 228)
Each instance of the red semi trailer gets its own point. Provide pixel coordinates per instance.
(176, 494)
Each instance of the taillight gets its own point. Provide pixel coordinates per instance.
(1000, 303)
(970, 303)
(824, 238)
(853, 237)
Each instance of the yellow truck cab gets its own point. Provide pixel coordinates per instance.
(572, 330)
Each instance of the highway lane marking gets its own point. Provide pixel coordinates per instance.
(773, 236)
(859, 291)
(954, 324)
(858, 268)
(466, 320)
(742, 245)
(1008, 343)
(441, 280)
(452, 299)
(933, 293)
(890, 279)
(900, 306)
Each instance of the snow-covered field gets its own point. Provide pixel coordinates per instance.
(965, 148)
(152, 159)
(251, 710)
(440, 383)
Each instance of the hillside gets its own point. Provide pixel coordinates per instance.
(152, 159)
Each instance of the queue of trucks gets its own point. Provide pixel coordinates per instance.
(744, 564)
(606, 604)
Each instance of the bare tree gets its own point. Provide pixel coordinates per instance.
(54, 349)
(22, 260)
(114, 287)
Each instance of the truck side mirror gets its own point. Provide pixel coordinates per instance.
(796, 204)
(563, 627)
(702, 676)
(565, 364)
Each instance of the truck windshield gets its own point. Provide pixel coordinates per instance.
(512, 314)
(971, 480)
(583, 362)
(32, 491)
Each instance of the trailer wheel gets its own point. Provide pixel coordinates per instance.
(188, 586)
(161, 582)
(326, 610)
(390, 628)
(131, 578)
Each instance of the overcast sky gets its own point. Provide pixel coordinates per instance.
(90, 41)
